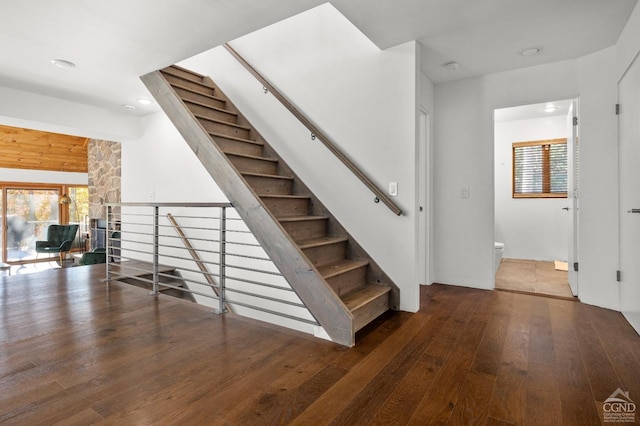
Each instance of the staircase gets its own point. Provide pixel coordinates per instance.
(335, 278)
(140, 274)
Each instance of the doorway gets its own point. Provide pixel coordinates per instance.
(536, 198)
(27, 210)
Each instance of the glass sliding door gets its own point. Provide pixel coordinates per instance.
(28, 214)
(79, 214)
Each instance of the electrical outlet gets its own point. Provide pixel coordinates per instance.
(464, 192)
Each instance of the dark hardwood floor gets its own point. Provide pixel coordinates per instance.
(74, 350)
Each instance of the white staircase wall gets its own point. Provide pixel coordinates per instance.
(362, 97)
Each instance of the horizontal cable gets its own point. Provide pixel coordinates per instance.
(269, 311)
(260, 296)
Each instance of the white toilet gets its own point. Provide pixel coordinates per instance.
(498, 250)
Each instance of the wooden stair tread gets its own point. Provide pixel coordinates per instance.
(361, 296)
(202, 104)
(197, 82)
(185, 70)
(337, 268)
(285, 196)
(262, 175)
(252, 157)
(318, 242)
(235, 138)
(189, 89)
(301, 218)
(226, 123)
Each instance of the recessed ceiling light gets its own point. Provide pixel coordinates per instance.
(532, 51)
(129, 107)
(451, 66)
(550, 108)
(143, 101)
(62, 63)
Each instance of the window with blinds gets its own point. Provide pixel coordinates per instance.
(540, 169)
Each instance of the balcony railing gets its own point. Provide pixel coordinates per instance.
(203, 249)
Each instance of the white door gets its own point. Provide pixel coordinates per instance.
(572, 195)
(629, 209)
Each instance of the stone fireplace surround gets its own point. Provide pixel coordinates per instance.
(104, 180)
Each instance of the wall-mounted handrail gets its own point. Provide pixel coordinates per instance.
(315, 131)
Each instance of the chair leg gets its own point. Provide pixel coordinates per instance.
(61, 258)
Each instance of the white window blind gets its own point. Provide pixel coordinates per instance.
(540, 169)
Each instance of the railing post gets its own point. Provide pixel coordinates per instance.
(223, 247)
(106, 239)
(156, 248)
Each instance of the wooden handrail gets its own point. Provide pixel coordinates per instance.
(331, 146)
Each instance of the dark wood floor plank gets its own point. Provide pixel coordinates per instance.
(472, 407)
(605, 380)
(74, 350)
(441, 398)
(622, 346)
(540, 349)
(339, 395)
(366, 404)
(401, 403)
(542, 397)
(577, 401)
(509, 395)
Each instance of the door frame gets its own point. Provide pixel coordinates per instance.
(63, 210)
(424, 198)
(631, 314)
(573, 228)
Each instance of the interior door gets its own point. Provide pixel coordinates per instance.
(629, 208)
(572, 195)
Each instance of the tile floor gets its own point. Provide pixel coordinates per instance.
(534, 277)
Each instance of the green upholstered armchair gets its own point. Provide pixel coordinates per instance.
(98, 255)
(59, 240)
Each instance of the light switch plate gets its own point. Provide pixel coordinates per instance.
(464, 192)
(393, 189)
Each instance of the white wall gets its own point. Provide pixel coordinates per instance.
(39, 112)
(42, 176)
(464, 155)
(530, 228)
(628, 44)
(364, 98)
(160, 167)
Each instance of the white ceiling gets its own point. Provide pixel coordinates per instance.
(114, 42)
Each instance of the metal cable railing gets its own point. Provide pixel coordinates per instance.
(203, 249)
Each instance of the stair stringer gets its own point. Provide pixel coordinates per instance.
(323, 303)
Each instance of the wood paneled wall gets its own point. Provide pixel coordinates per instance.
(37, 150)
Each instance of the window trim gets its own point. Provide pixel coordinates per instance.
(546, 170)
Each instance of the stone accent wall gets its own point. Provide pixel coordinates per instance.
(104, 176)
